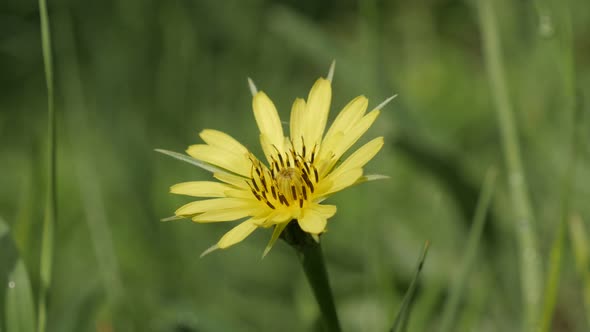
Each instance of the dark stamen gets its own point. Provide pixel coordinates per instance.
(307, 181)
(306, 167)
(283, 200)
(281, 160)
(264, 183)
(257, 196)
(255, 185)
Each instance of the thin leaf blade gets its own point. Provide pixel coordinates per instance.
(20, 308)
(404, 311)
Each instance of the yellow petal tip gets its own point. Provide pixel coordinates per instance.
(252, 86)
(331, 70)
(266, 251)
(171, 218)
(385, 102)
(209, 250)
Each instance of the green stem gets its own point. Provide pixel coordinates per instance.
(50, 207)
(310, 255)
(529, 255)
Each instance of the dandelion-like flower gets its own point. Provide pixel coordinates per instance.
(300, 172)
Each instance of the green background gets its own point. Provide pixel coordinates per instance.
(135, 75)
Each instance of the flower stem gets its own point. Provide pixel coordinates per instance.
(310, 255)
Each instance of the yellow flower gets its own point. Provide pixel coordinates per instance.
(300, 172)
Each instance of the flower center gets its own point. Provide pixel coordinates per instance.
(291, 179)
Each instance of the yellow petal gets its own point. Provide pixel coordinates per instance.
(297, 123)
(337, 147)
(214, 204)
(238, 193)
(234, 162)
(347, 118)
(355, 133)
(326, 211)
(237, 234)
(268, 147)
(316, 112)
(312, 222)
(343, 180)
(223, 141)
(279, 216)
(227, 214)
(200, 189)
(234, 180)
(268, 119)
(359, 158)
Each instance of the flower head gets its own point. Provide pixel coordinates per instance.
(301, 170)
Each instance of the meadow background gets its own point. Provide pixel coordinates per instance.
(135, 75)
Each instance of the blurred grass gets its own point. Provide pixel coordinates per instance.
(557, 248)
(400, 324)
(470, 254)
(50, 215)
(523, 219)
(17, 297)
(20, 311)
(581, 249)
(137, 75)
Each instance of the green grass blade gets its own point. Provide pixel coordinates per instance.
(403, 313)
(76, 111)
(20, 309)
(531, 270)
(50, 207)
(456, 292)
(8, 259)
(552, 285)
(581, 249)
(16, 293)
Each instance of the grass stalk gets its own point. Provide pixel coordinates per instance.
(530, 264)
(91, 191)
(50, 203)
(16, 299)
(471, 248)
(552, 284)
(580, 245)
